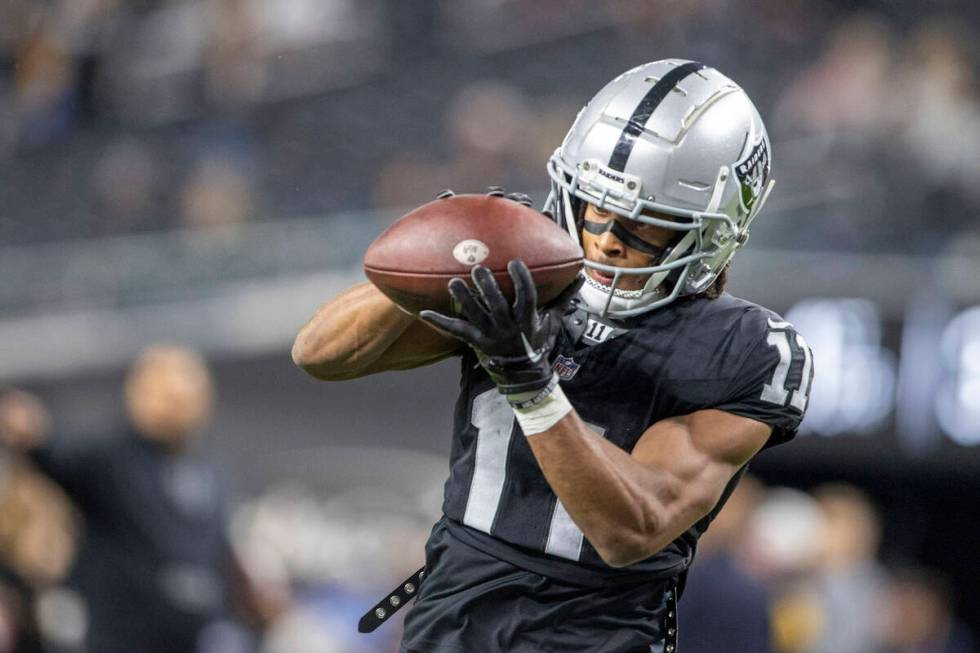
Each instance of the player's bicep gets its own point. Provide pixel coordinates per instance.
(698, 453)
(419, 345)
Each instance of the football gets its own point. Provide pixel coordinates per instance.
(413, 260)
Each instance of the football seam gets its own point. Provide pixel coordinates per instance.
(457, 273)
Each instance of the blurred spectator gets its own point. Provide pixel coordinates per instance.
(45, 82)
(834, 116)
(156, 569)
(341, 551)
(18, 632)
(939, 112)
(844, 93)
(918, 616)
(77, 75)
(236, 71)
(849, 582)
(783, 544)
(724, 607)
(493, 134)
(489, 124)
(784, 534)
(38, 533)
(37, 530)
(407, 179)
(126, 183)
(217, 193)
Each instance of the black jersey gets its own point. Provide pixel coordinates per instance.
(621, 378)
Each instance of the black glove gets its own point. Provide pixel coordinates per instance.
(512, 342)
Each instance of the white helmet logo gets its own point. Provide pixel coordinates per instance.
(471, 251)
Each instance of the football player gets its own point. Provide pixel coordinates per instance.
(596, 438)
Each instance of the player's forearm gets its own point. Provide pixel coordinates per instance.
(349, 334)
(624, 508)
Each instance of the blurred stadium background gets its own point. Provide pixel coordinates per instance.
(209, 171)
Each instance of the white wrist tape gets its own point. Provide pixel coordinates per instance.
(544, 414)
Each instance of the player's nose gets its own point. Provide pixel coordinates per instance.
(610, 245)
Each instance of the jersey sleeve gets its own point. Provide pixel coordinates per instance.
(772, 384)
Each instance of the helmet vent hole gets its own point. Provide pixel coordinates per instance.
(695, 185)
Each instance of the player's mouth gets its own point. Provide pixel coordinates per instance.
(604, 278)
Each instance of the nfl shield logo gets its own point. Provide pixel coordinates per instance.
(565, 367)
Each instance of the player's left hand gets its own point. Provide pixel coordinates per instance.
(511, 341)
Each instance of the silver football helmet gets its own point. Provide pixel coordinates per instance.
(672, 137)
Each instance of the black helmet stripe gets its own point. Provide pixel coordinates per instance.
(646, 107)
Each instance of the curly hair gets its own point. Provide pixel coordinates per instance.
(717, 288)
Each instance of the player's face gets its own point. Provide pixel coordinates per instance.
(608, 249)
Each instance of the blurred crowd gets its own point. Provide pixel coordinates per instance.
(121, 544)
(134, 116)
(788, 571)
(130, 542)
(146, 115)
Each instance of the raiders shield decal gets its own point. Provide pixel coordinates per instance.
(752, 172)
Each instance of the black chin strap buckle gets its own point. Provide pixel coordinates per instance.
(392, 603)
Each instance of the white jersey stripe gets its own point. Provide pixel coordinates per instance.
(564, 537)
(494, 420)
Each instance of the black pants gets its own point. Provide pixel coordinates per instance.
(471, 602)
